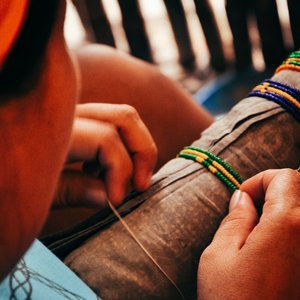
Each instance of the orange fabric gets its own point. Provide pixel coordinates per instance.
(12, 16)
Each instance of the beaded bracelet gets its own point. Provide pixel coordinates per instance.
(283, 94)
(291, 63)
(214, 164)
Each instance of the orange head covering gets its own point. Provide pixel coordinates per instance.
(12, 17)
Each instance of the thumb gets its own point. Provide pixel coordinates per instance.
(77, 189)
(238, 224)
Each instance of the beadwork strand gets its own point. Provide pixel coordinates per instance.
(278, 99)
(293, 91)
(290, 67)
(283, 94)
(200, 157)
(293, 58)
(210, 168)
(295, 54)
(266, 88)
(219, 160)
(291, 63)
(215, 165)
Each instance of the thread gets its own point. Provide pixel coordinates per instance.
(132, 234)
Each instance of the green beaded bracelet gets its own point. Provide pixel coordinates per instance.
(219, 160)
(214, 164)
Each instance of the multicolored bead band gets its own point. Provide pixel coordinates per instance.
(291, 63)
(283, 94)
(214, 164)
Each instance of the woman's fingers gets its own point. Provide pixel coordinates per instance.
(270, 187)
(248, 255)
(113, 143)
(237, 225)
(77, 189)
(135, 135)
(100, 144)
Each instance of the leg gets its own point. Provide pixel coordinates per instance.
(169, 112)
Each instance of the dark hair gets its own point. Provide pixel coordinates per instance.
(22, 67)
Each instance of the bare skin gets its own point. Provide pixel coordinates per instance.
(169, 112)
(252, 257)
(42, 130)
(41, 134)
(35, 134)
(137, 88)
(118, 153)
(249, 258)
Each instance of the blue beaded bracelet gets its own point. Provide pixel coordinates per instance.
(284, 87)
(283, 94)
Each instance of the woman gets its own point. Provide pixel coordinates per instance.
(40, 84)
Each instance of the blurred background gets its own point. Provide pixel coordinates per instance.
(192, 41)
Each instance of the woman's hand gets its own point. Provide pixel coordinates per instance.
(117, 153)
(254, 257)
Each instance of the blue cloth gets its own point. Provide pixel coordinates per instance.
(218, 96)
(41, 275)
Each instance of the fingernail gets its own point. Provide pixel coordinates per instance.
(235, 199)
